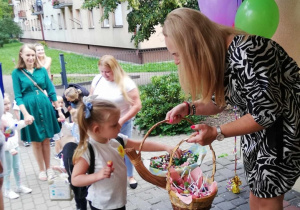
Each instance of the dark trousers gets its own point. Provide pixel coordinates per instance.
(79, 192)
(93, 208)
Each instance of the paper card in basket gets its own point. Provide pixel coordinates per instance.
(190, 159)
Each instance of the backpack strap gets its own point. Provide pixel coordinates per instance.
(121, 141)
(92, 161)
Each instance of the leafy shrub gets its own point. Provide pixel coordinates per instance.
(159, 97)
(13, 41)
(44, 44)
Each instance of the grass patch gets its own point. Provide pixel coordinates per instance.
(77, 63)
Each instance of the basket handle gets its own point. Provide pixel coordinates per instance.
(186, 139)
(153, 127)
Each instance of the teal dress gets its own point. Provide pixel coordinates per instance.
(45, 123)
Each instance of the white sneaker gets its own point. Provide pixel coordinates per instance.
(10, 194)
(50, 174)
(23, 189)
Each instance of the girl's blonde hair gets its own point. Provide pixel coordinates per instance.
(100, 112)
(202, 49)
(21, 63)
(6, 96)
(73, 93)
(119, 74)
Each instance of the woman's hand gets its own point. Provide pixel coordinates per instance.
(28, 119)
(204, 134)
(176, 114)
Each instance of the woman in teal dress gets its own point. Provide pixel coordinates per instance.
(36, 109)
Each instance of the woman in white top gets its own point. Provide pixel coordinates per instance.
(42, 59)
(114, 85)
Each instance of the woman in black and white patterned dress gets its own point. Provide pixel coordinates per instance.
(250, 72)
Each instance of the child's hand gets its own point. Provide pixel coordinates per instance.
(13, 152)
(178, 152)
(105, 172)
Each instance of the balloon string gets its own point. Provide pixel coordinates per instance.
(235, 152)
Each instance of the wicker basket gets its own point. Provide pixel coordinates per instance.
(198, 203)
(136, 160)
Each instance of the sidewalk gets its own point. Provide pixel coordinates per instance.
(146, 196)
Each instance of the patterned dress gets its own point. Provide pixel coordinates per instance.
(45, 123)
(262, 80)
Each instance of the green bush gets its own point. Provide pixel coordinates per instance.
(159, 97)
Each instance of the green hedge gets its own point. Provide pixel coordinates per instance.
(159, 97)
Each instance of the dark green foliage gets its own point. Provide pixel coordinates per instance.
(8, 29)
(158, 98)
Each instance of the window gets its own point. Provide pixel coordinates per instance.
(51, 25)
(105, 23)
(118, 16)
(72, 18)
(63, 16)
(91, 19)
(78, 18)
(59, 21)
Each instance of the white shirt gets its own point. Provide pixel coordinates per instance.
(12, 142)
(109, 193)
(110, 91)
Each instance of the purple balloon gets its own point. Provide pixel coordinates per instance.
(220, 11)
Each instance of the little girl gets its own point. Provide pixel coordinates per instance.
(57, 137)
(98, 122)
(11, 148)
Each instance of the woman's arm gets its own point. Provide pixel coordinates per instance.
(28, 118)
(207, 109)
(47, 66)
(136, 106)
(206, 134)
(92, 91)
(80, 178)
(176, 114)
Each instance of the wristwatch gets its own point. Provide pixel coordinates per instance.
(220, 136)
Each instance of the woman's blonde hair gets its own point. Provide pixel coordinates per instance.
(21, 63)
(202, 49)
(119, 74)
(73, 93)
(39, 45)
(100, 112)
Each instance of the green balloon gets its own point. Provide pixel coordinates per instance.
(259, 17)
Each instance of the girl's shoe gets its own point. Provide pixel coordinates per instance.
(43, 176)
(10, 194)
(132, 183)
(50, 174)
(23, 189)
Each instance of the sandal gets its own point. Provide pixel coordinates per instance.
(43, 176)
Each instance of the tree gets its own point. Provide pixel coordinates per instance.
(5, 9)
(8, 29)
(144, 14)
